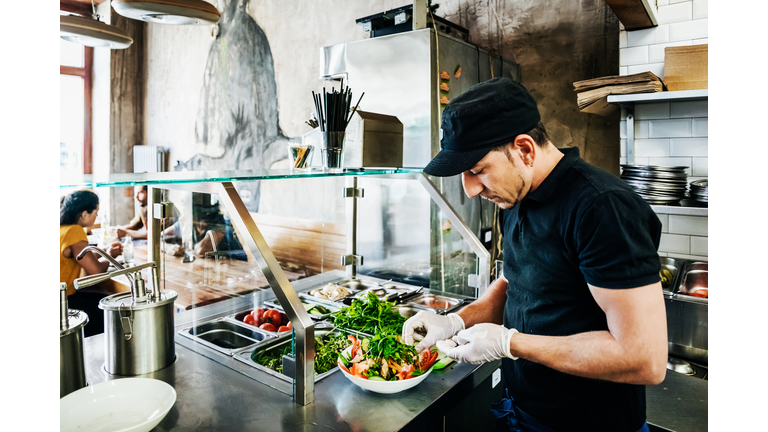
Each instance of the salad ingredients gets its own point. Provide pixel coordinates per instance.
(369, 314)
(700, 292)
(327, 349)
(384, 357)
(268, 327)
(316, 309)
(260, 316)
(330, 292)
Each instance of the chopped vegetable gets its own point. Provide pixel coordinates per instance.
(370, 315)
(386, 359)
(317, 310)
(327, 349)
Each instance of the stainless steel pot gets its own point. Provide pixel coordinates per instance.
(71, 336)
(139, 334)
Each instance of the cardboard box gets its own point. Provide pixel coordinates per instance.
(685, 67)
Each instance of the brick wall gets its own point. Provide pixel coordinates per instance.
(670, 133)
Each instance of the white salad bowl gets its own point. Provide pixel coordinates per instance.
(384, 387)
(126, 404)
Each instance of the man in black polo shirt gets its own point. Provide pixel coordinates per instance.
(578, 317)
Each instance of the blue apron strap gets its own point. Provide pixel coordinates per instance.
(516, 419)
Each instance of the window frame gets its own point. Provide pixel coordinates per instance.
(86, 73)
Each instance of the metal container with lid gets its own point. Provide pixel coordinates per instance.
(71, 354)
(138, 325)
(140, 335)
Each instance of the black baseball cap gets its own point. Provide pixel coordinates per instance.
(487, 115)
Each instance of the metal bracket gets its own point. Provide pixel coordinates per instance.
(629, 113)
(352, 192)
(401, 18)
(162, 210)
(351, 260)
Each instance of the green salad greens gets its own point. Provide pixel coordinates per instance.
(370, 315)
(327, 349)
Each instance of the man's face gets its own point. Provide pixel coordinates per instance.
(500, 177)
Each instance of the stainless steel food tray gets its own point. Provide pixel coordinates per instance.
(675, 266)
(246, 355)
(238, 318)
(437, 303)
(695, 276)
(307, 300)
(226, 336)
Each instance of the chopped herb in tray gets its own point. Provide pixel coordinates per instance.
(327, 350)
(371, 315)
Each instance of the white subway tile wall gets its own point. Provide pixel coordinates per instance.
(674, 243)
(691, 225)
(699, 245)
(676, 133)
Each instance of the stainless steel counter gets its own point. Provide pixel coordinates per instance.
(680, 403)
(211, 396)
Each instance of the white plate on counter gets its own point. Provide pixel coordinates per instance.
(122, 405)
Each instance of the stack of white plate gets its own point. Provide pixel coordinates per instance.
(657, 184)
(700, 191)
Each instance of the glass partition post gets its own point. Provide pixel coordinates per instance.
(481, 280)
(304, 383)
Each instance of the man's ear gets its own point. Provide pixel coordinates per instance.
(527, 148)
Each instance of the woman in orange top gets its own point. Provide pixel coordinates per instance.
(78, 212)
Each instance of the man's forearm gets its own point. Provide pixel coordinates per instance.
(489, 307)
(591, 355)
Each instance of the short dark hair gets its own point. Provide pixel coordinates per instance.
(73, 205)
(538, 133)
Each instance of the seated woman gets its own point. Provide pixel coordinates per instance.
(78, 212)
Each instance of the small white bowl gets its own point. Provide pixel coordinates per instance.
(121, 405)
(385, 387)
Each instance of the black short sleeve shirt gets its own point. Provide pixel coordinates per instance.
(581, 226)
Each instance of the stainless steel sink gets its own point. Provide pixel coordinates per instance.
(225, 336)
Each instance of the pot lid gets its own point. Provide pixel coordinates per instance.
(184, 12)
(76, 319)
(125, 301)
(92, 32)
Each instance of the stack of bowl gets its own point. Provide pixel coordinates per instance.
(657, 184)
(700, 191)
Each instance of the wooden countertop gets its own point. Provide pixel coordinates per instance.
(205, 280)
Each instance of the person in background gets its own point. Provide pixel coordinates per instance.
(78, 212)
(578, 317)
(137, 227)
(212, 231)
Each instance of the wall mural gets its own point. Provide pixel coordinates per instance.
(238, 111)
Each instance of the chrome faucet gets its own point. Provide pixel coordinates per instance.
(138, 287)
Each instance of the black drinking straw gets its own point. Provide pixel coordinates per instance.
(333, 108)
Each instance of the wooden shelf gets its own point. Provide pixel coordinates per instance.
(683, 95)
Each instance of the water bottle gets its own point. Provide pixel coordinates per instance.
(128, 251)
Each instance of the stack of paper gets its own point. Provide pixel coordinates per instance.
(592, 94)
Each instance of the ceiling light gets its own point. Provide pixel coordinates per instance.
(92, 32)
(185, 12)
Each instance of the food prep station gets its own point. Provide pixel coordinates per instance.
(220, 386)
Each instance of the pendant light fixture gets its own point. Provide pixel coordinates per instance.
(92, 32)
(184, 12)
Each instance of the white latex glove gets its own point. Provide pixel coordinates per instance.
(437, 327)
(480, 344)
